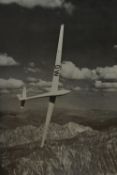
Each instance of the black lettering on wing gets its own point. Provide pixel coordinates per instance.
(57, 70)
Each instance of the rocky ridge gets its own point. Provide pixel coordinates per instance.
(71, 149)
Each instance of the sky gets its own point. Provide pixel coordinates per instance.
(29, 31)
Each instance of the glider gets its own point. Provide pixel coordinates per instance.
(54, 92)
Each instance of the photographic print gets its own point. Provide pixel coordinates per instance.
(58, 87)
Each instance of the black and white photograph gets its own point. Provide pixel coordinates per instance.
(58, 87)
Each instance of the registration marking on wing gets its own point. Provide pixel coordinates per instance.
(57, 70)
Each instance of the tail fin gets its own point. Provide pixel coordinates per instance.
(24, 93)
(22, 102)
(22, 97)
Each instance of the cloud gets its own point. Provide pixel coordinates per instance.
(31, 79)
(69, 7)
(106, 85)
(39, 86)
(6, 60)
(71, 71)
(46, 85)
(32, 64)
(42, 3)
(33, 3)
(43, 85)
(33, 90)
(110, 90)
(77, 88)
(107, 72)
(98, 84)
(115, 46)
(10, 83)
(32, 70)
(4, 91)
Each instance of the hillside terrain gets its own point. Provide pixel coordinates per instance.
(70, 149)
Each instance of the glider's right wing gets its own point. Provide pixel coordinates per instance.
(56, 73)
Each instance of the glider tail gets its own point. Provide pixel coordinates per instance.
(22, 97)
